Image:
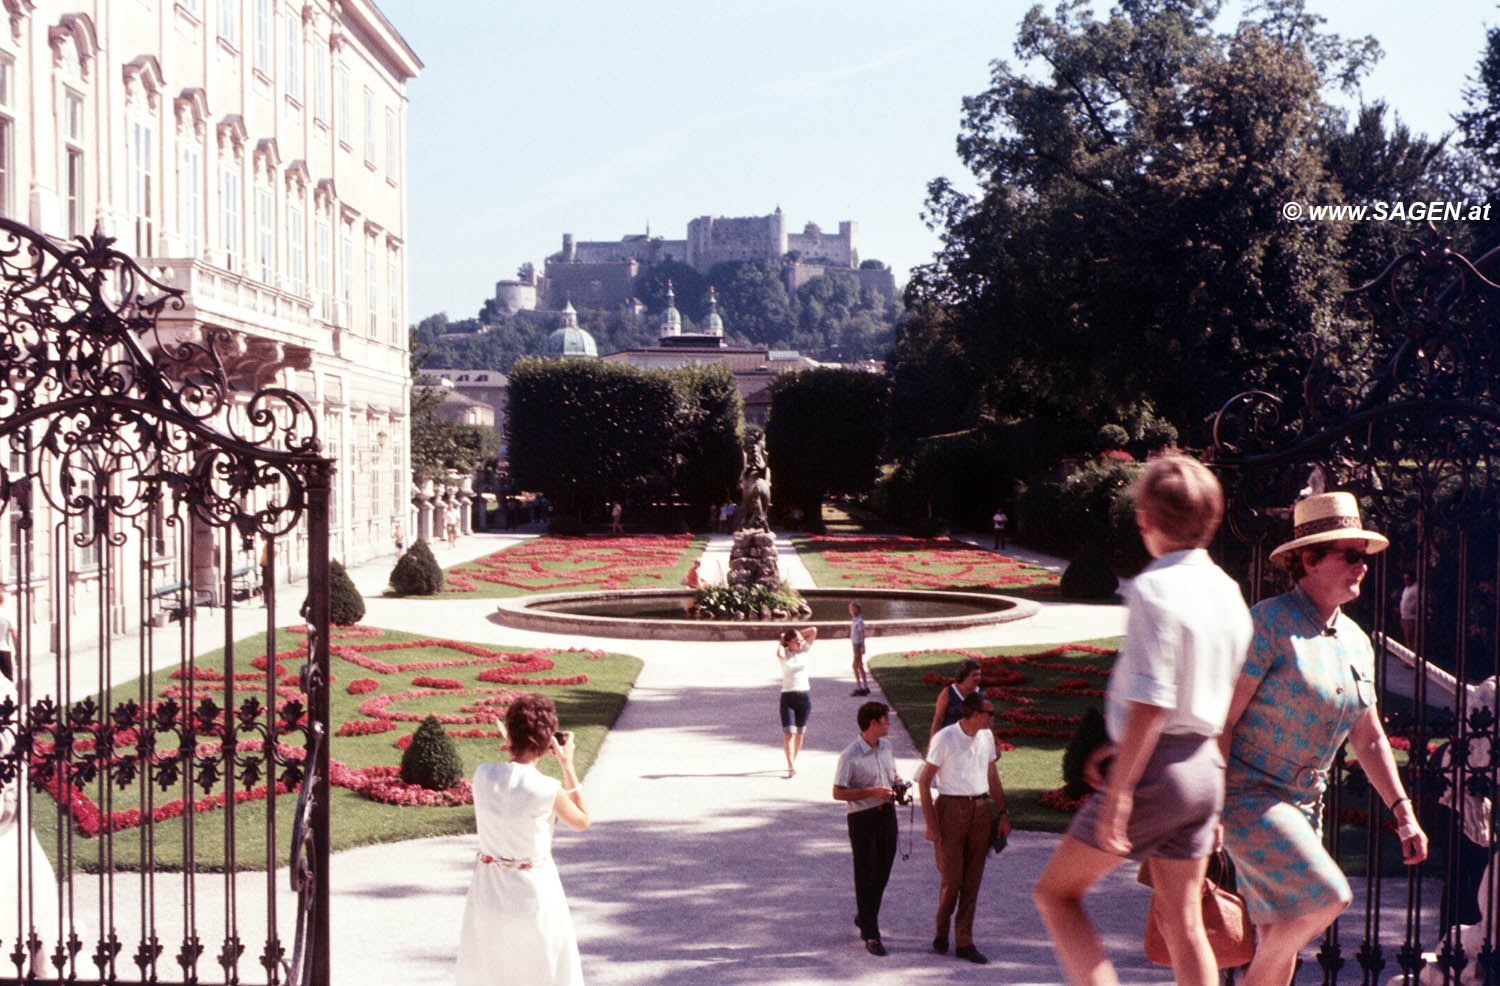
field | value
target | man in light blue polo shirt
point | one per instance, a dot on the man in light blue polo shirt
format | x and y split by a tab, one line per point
865	778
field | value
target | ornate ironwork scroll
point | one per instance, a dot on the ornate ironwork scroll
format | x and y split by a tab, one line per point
1404	411
122	431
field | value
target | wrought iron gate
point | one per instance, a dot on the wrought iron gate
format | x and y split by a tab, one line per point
1407	416
157	768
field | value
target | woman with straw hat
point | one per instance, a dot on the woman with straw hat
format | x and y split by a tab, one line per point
1308	683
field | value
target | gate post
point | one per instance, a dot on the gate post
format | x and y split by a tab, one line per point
319	482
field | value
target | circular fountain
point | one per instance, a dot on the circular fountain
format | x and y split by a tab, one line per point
661	613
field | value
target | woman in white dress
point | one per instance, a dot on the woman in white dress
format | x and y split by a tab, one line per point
516	926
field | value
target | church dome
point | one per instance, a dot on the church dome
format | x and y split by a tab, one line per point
671	319
715	321
569	339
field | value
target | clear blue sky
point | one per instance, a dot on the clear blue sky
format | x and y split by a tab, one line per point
593	118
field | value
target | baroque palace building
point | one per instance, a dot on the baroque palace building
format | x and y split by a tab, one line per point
249	152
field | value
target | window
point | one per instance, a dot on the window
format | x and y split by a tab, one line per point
325	271
346	273
190	201
294	55
297	249
73	161
7	162
320	81
263	36
265	234
331	423
20	558
372	293
229	17
229	214
392	147
191	6
142	180
393	296
342	82
398	501
369	127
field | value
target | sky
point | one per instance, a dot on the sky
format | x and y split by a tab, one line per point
604	119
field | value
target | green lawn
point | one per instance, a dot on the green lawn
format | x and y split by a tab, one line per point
1031	712
588	708
920	563
577	564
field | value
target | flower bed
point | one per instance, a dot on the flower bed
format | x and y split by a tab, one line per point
917	563
559	564
493	678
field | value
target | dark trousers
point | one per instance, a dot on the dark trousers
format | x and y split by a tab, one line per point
963	843
872	836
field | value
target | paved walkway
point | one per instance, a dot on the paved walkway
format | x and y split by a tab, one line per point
704	863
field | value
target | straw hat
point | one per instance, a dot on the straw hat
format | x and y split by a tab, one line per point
1328	517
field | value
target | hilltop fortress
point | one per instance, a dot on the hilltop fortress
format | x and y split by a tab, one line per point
602	273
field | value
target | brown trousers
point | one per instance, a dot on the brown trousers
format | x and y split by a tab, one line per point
963	843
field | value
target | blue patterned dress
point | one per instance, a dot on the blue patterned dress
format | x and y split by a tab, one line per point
1314	687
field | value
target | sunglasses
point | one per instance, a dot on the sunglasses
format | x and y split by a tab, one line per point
1350	556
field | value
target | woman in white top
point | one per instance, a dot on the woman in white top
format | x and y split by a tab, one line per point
796	694
516	925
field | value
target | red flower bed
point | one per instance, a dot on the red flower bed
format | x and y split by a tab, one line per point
1004	679
932	563
382	783
552	563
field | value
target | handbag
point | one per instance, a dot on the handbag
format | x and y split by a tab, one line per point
1225	918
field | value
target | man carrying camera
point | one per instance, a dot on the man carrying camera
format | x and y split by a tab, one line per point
961	758
866	779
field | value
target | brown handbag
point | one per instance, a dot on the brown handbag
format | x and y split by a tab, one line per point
1225	918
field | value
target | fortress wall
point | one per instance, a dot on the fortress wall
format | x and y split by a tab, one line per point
515	296
716	239
590	285
830	249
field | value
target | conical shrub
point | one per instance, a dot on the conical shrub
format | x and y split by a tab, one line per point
431	760
346	606
417	572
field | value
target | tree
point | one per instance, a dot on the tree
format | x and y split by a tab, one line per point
753	300
688	286
583	431
824	435
438	445
1126	242
707	447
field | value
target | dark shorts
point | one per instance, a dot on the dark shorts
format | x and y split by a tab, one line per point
795	708
1176	806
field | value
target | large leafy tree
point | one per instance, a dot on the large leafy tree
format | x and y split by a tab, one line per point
753	300
585	432
824	435
1127	241
706	440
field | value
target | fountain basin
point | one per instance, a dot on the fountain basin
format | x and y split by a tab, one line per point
657	614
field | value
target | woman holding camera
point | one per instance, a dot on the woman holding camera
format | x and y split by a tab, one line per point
516	925
796	691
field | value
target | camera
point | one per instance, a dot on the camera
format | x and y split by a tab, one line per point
902	791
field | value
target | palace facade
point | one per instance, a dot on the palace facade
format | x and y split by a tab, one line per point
251	153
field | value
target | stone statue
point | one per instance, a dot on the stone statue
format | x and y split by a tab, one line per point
755	489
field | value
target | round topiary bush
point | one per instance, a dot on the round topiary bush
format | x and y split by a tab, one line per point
1089	576
417	572
346	606
431	760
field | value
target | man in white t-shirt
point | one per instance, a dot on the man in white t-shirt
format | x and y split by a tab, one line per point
961	759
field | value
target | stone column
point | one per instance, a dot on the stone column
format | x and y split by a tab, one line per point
422	497
465	494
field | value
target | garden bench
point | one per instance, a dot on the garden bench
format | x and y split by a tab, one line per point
173	600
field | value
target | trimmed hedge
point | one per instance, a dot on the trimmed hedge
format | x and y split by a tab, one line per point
417	572
432	761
